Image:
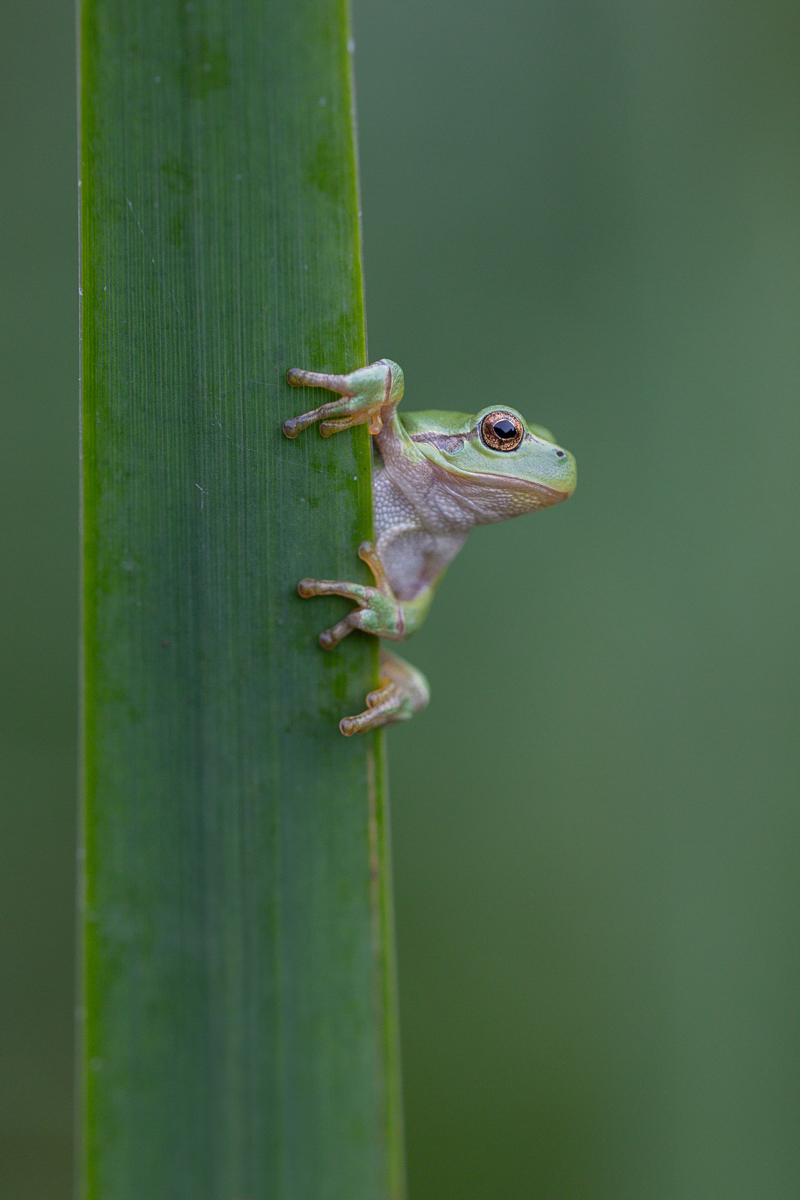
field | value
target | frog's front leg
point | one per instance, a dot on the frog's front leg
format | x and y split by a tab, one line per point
369	396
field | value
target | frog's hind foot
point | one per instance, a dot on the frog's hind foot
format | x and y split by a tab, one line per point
403	692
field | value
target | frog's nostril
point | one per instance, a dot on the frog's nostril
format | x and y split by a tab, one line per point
560	454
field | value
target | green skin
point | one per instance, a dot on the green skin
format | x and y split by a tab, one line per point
439	474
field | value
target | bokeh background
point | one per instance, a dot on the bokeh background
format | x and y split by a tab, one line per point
588	210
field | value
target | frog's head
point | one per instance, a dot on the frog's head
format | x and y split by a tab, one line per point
498	463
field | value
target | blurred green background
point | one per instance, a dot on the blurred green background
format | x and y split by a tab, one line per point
590	210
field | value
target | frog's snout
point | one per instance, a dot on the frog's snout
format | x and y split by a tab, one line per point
566	471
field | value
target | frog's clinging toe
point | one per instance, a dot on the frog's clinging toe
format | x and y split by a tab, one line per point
403	691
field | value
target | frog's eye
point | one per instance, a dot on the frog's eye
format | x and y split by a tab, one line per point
501	430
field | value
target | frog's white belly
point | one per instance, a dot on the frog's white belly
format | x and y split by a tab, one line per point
415	542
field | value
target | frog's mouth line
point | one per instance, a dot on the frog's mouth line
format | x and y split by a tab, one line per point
478	483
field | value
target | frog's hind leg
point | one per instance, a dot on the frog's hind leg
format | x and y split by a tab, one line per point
403	691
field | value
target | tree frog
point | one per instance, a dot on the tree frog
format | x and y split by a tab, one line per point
438	475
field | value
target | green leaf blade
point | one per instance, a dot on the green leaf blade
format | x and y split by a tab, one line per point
238	982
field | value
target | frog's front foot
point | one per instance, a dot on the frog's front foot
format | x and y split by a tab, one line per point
364	393
378	610
403	691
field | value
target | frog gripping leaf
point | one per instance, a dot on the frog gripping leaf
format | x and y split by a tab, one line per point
439	474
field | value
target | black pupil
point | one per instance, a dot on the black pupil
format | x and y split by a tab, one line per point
505	428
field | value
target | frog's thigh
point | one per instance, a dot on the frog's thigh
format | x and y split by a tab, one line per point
406	678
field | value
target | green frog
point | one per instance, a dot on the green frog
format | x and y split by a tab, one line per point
438	475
